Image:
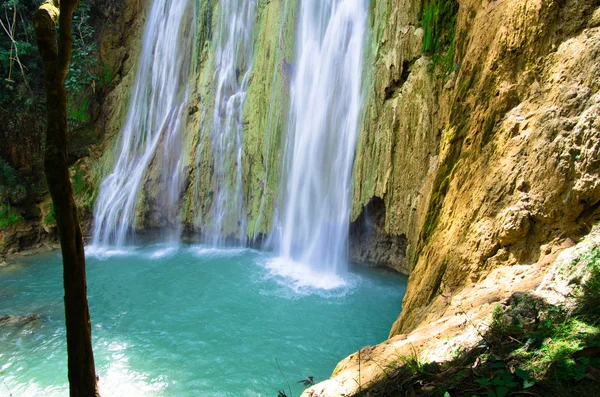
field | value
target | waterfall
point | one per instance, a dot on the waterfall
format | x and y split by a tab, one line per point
152	134
233	64
325	102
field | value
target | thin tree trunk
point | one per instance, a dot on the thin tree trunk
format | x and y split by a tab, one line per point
56	60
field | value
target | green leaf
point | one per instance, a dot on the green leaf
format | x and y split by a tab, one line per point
528	383
498	382
446	394
521	374
502	391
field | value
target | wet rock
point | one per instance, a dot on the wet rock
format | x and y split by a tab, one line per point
18	320
370	244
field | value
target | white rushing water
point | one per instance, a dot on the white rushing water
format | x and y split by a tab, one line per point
322	134
152	133
233	65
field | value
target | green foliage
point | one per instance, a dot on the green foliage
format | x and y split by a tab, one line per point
83	59
81	76
21	68
78	111
12	188
8	175
504	380
414	364
589	298
79	186
438	20
50	218
8	215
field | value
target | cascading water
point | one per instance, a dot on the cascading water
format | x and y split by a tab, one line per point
322	133
233	64
153	122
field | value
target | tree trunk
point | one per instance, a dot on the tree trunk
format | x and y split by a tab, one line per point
56	60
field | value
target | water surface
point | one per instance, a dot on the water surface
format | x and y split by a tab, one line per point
189	321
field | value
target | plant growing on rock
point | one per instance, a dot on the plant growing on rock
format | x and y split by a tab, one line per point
531	347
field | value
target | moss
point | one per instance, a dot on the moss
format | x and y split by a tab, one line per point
463	87
198	159
78	186
107	75
452	142
451	150
265	112
438	280
438	20
8	215
78	110
85	187
50	219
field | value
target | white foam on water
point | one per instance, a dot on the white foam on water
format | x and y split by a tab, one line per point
303	279
103	253
120	380
116	380
163	252
11	387
212	252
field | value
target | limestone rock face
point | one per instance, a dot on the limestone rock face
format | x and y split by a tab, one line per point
397	153
372	245
265	117
266	113
514	225
522	139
